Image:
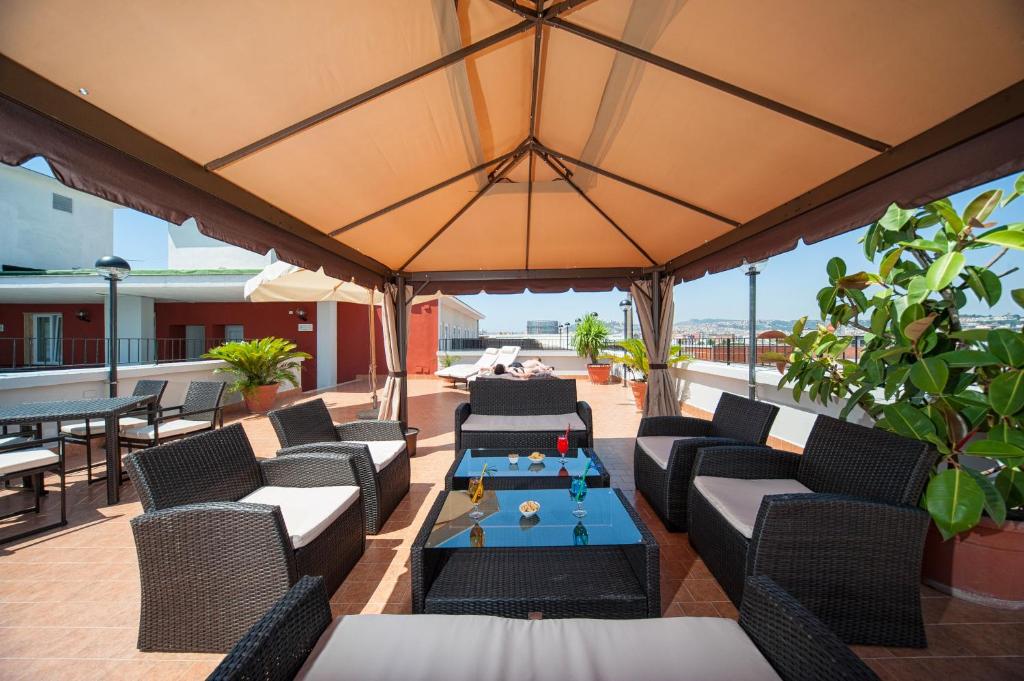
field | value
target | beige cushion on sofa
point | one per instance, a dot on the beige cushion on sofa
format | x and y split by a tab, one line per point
167	429
26	459
658	447
739	500
307	511
98	426
521	424
382	452
474	647
12	439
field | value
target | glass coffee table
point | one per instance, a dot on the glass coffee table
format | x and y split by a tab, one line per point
525	474
603	565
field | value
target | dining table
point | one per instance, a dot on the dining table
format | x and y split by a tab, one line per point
110	409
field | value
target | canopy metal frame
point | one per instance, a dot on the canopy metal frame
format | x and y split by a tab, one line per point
995	117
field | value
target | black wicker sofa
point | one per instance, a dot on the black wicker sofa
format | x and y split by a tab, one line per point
522	414
775	638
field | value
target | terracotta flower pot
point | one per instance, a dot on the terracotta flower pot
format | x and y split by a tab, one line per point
599	373
981	566
639	393
261	400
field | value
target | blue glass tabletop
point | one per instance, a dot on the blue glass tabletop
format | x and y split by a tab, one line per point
499	465
606	523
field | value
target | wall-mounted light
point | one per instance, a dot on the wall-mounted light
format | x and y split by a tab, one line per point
301	314
83	315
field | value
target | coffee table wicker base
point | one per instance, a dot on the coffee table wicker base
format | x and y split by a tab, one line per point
600	583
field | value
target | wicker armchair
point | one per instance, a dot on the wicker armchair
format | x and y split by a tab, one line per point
838	527
200	412
522	414
84	432
223	537
666	447
796	644
377	449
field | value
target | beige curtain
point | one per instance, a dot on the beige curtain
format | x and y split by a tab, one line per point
661	392
390	404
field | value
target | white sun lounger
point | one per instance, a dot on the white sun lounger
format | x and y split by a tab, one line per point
506	355
462	372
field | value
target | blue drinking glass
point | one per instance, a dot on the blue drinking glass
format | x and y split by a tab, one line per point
578	492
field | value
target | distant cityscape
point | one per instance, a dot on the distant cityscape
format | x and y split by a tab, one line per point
709	328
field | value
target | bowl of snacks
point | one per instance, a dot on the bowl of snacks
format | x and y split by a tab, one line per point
529	508
536	457
513	458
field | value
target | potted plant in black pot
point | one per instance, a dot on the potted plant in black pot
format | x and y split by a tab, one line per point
922	374
589	340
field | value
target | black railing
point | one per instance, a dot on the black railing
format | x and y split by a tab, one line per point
724	349
40	354
733	349
525	343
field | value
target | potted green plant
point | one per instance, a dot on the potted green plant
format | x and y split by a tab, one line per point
260	366
634	358
923	375
589	340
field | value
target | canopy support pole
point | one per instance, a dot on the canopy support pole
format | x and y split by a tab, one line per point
402	322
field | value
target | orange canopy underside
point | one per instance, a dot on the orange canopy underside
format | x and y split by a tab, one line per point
209	78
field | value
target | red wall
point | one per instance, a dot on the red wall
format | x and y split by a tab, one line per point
77	352
422	356
354	342
258	319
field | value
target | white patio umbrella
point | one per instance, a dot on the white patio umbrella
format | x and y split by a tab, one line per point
282	282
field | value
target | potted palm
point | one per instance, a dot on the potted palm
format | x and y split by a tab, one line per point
260	366
634	358
589	340
924	375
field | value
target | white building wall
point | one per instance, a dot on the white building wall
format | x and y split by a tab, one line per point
188	249
455	322
34	234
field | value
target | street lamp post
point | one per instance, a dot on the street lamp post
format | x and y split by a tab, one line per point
113	269
627	308
753	269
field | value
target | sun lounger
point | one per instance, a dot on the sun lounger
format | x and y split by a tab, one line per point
462	372
506	355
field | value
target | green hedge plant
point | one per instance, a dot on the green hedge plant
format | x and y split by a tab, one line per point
921	374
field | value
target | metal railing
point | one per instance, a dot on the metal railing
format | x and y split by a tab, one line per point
733	349
43	353
525	343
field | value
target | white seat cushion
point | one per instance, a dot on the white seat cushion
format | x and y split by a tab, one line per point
658	447
25	459
307	511
167	429
739	500
12	439
459	371
519	424
382	452
98	426
474	647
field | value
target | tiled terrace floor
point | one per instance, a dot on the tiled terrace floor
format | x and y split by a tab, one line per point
69	600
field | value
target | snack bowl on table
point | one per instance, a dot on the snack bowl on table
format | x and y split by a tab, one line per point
529	508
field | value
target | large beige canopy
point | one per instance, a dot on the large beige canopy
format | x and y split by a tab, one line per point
476	141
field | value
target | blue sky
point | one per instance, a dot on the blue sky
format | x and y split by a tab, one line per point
786	287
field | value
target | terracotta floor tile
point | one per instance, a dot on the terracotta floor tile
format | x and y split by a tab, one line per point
80	585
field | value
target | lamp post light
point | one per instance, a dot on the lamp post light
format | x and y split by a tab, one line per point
113	269
753	269
627	308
